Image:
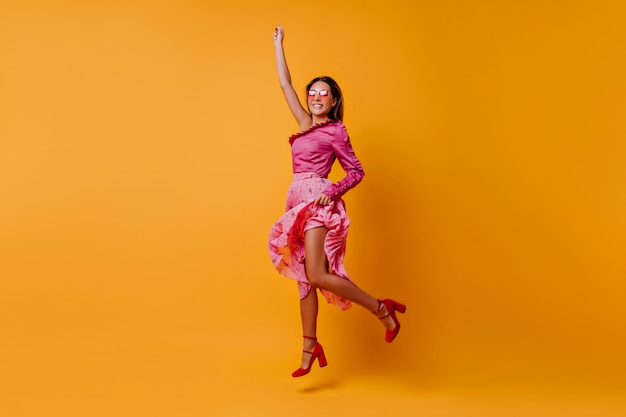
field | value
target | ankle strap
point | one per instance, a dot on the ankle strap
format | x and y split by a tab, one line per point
309	337
381	308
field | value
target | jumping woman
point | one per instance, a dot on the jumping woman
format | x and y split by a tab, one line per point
308	242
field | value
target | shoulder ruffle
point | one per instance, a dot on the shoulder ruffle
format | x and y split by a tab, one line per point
310	129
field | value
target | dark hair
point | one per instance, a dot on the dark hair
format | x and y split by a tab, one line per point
337	111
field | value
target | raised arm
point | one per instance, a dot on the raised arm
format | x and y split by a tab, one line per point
302	117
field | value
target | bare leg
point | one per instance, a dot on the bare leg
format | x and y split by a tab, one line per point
318	276
308	315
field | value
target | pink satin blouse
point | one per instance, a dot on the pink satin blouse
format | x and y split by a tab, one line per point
315	150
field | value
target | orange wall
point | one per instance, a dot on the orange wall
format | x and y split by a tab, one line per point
144	156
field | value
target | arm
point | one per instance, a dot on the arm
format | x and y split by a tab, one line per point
349	162
299	113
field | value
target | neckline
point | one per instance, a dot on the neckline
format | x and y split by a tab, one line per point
311	128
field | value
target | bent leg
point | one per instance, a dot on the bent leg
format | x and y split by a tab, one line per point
318	275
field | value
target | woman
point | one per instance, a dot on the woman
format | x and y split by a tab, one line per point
308	242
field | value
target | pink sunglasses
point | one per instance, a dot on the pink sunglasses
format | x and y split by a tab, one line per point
312	93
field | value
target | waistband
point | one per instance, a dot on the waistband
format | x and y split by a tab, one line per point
298	176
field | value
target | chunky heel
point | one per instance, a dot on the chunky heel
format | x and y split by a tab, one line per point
322	359
398	307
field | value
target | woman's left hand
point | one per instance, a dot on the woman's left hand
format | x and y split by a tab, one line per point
322	200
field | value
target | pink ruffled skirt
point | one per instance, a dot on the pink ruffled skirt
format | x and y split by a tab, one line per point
286	239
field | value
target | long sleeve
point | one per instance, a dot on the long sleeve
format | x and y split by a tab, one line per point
349	162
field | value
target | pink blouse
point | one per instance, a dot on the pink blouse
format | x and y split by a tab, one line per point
316	149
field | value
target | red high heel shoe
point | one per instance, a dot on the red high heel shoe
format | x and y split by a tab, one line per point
392	307
317	353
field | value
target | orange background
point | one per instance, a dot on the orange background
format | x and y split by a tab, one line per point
144	156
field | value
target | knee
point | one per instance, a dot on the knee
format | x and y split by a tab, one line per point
315	277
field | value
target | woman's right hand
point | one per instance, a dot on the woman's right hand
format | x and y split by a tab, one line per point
279	34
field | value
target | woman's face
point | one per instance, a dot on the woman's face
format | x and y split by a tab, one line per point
320	99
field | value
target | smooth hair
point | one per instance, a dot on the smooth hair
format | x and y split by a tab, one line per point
337	111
